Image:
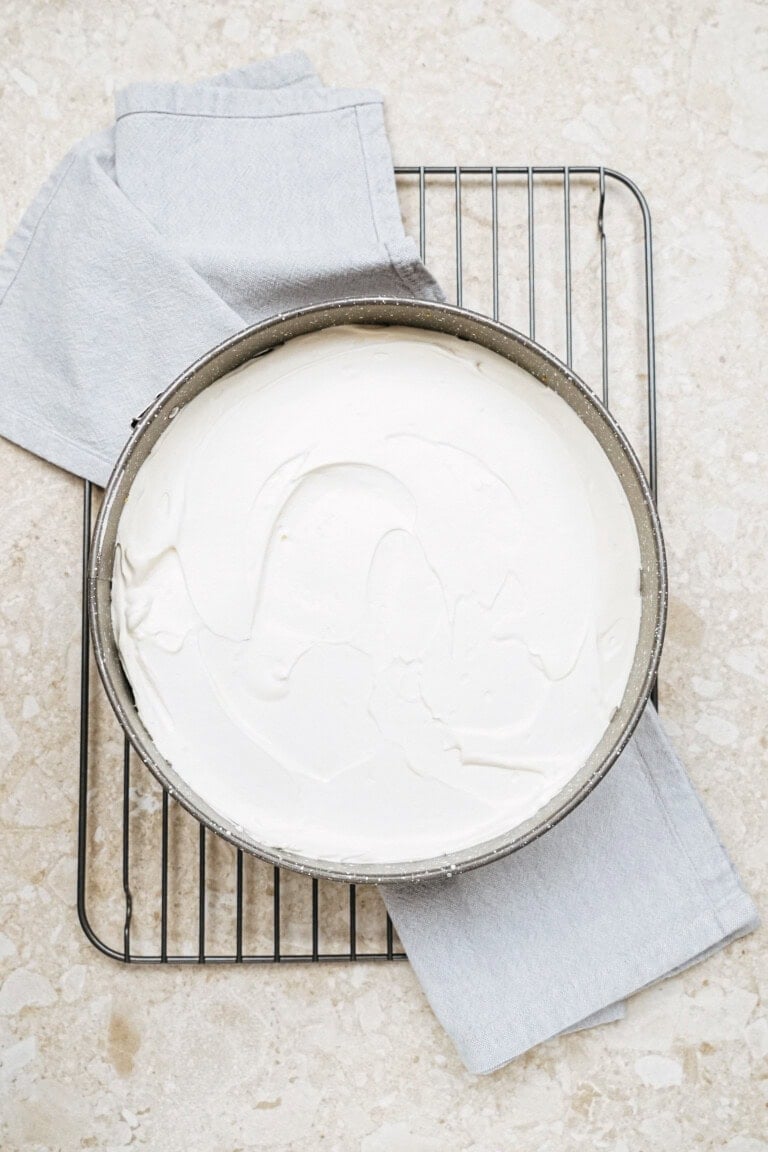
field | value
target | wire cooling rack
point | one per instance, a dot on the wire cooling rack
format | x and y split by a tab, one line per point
529	246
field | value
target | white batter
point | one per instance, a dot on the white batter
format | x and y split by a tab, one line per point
377	594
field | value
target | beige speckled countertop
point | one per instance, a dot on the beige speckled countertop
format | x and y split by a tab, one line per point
95	1055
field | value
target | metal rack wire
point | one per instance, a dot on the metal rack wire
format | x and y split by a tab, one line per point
260	916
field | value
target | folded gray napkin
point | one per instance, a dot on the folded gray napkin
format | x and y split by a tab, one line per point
206	207
631	886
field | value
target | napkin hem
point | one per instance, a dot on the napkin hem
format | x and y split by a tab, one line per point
236	103
36	438
400	250
688	821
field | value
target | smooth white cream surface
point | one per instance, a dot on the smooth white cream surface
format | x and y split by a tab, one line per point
377	594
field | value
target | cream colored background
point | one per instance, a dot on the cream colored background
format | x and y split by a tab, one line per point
97	1056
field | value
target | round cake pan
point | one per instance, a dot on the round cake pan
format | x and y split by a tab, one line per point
255	341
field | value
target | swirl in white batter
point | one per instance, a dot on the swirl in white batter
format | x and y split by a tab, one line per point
377	594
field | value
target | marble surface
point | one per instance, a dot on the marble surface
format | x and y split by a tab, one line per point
96	1055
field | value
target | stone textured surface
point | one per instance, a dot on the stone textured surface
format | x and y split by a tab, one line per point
94	1055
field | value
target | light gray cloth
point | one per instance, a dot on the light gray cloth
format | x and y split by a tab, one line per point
206	207
630	887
